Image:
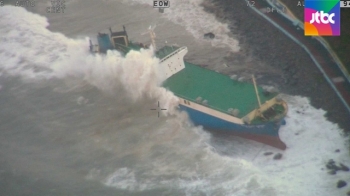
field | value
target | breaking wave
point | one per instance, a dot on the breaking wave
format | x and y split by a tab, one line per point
28	49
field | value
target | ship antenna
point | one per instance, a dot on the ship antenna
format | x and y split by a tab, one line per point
256	91
153	35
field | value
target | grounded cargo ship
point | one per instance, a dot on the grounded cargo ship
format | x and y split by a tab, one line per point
212	100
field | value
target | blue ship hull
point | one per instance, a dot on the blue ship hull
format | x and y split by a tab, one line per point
265	133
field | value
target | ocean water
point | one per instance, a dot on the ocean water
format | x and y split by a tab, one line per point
73	123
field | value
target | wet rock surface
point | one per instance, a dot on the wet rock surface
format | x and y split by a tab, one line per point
268	153
209	35
278	156
341	184
333	167
291	67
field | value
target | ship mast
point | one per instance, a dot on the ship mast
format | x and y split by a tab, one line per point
256	90
153	36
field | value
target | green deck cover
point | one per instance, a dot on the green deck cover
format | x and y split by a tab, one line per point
133	46
219	90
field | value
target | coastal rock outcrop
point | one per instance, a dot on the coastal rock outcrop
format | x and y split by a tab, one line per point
341	184
278	156
268	153
333	167
209	35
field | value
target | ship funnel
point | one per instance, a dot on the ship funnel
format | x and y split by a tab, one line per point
119	40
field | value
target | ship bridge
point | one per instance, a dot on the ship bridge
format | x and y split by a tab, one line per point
171	59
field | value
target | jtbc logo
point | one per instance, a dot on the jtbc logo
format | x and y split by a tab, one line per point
317	16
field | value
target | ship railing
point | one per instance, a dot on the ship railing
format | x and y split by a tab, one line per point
264	107
122	47
173	53
206	105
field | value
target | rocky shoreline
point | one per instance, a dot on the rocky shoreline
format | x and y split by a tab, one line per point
290	67
340	44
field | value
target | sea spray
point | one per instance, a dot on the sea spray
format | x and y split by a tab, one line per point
33	52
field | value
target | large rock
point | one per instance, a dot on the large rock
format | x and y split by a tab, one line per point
209	35
268	153
344	167
278	156
341	184
332	166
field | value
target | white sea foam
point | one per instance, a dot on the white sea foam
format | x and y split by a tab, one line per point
191	15
29	50
311	141
186	162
